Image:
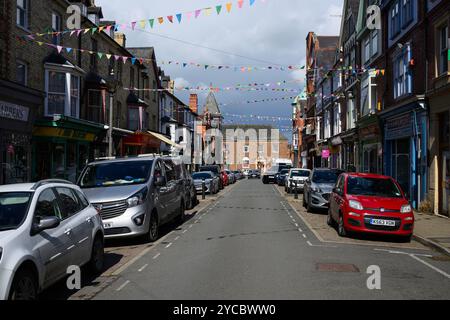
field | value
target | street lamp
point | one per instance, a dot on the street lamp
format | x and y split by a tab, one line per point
112	88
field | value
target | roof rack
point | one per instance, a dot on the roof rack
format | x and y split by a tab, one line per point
47	181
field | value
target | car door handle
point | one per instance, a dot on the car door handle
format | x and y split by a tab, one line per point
68	231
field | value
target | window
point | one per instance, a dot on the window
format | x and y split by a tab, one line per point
395	21
22	13
401	16
407	12
118	114
350	114
402	77
170	171
443	50
337	119
367	49
131	78
21	72
374	37
95	106
47	205
370	46
56	27
133	119
63	94
70	204
365	96
83	201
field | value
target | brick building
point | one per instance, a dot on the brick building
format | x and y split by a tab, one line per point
66	83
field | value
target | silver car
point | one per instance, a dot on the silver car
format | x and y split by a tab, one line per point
231	176
45	228
318	187
211	182
135	196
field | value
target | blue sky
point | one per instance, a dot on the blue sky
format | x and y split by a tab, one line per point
273	31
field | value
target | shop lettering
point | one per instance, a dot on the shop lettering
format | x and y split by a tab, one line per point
14	112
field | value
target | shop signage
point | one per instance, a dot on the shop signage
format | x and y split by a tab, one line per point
13	111
399	127
64	133
325	153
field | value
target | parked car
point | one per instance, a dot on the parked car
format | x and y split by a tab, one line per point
270	175
217	171
281	177
237	174
211	182
370	203
135	196
231	176
190	191
317	188
296	177
254	174
245	172
44	228
224	178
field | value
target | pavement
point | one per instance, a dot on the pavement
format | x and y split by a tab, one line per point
433	231
254	242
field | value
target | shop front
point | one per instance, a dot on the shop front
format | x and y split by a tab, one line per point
62	146
140	143
370	146
349	150
17	112
405	149
336	152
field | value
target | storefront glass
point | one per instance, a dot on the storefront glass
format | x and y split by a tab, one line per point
15	157
401	163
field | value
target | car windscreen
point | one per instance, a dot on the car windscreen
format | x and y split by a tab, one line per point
284	171
300	173
385	188
116	174
325	176
13	209
201	175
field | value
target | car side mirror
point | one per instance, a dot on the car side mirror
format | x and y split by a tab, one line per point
45	223
160	181
337	191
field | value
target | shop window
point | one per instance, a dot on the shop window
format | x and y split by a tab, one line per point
63	96
400	157
443	49
22	13
21	72
133	119
15	157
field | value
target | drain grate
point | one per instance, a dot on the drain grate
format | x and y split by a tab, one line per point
336	267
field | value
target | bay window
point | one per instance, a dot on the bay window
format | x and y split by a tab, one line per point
63	94
133	119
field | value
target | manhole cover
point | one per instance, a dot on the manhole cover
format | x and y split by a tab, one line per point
336	267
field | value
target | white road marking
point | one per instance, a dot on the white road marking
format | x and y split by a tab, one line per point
176	238
184	231
430	266
123	285
304	235
300	229
309	243
169	245
143	267
156	255
296	224
190	226
401	252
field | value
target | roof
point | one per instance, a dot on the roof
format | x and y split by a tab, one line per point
17	187
367	175
211	104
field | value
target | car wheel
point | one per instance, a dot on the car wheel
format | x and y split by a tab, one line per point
341	228
308	205
407	238
181	213
24	286
304	200
329	219
153	228
97	256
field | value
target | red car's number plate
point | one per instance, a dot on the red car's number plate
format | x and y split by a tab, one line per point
379	222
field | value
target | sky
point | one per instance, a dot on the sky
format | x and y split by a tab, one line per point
268	33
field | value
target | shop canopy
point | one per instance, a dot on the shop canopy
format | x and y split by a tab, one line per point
165	139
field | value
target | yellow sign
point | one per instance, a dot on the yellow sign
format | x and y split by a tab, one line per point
63	133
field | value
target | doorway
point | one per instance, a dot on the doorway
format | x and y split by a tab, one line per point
401	164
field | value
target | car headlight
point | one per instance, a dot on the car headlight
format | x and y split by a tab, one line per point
137	198
315	189
406	208
355	205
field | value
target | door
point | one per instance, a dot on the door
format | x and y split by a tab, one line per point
445	183
173	187
161	192
79	228
401	164
52	244
337	200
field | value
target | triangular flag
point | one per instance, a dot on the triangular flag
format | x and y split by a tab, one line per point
197	12
151	22
179	17
100	29
184	65
240	3
218	9
141	61
133	60
108	56
72	32
68	50
170	18
160	20
108	28
252	2
40	43
100	55
229	5
117	57
208	11
124	59
78	32
59	48
93	30
189	15
86	30
142	24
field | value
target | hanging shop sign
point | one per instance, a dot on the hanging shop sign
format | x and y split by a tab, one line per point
325	153
13	111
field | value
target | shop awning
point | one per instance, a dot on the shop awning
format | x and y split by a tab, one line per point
165	139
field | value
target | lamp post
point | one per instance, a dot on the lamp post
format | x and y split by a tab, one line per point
112	88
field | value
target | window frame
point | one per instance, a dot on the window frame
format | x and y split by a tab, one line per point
69	77
79	209
25	9
25	65
443	64
56	39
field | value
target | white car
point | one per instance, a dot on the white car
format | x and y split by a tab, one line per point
295	179
45	227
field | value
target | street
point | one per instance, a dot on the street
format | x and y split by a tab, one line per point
251	244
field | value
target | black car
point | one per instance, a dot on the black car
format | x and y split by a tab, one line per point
254	174
270	176
281	176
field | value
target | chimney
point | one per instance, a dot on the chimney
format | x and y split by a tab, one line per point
193	102
120	38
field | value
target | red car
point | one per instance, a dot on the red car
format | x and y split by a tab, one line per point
370	203
224	177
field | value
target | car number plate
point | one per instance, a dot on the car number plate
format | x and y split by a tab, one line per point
107	225
379	222
270	176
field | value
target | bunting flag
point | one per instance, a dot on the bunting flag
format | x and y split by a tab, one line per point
142	23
